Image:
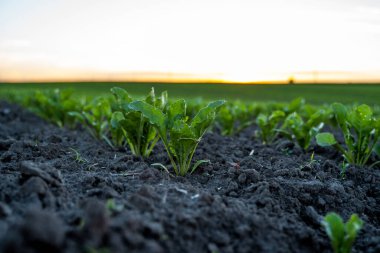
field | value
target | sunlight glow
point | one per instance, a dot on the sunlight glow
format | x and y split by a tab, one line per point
242	40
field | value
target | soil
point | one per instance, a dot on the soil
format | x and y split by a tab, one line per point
63	191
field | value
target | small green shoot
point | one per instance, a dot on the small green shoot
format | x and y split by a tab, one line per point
78	157
112	206
342	235
310	163
95	117
268	125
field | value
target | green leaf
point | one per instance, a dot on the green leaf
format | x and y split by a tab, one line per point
277	115
295	105
176	111
325	139
352	227
154	115
151	98
216	104
163	100
262	120
342	236
340	112
361	118
121	95
377	149
202	121
161	166
116	118
78	115
335	230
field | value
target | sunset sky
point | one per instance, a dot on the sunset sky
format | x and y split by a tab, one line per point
236	40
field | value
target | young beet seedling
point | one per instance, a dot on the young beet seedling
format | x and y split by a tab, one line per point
295	128
296	105
179	136
95	117
360	129
342	235
235	117
131	126
268	125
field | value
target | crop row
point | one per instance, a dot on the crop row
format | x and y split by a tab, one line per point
120	120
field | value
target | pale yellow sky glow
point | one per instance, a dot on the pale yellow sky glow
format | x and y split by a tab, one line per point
236	40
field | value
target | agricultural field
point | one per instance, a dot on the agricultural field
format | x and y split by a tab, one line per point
313	93
287	168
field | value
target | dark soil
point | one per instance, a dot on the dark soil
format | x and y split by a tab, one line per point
56	185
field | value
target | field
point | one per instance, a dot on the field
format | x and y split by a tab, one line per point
313	93
77	176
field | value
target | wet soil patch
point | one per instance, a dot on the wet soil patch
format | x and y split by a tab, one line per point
63	191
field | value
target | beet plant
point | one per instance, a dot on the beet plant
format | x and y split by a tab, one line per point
302	132
342	235
54	106
226	119
269	125
296	105
178	133
130	126
95	117
234	117
361	131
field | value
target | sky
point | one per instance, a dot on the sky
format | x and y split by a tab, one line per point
171	40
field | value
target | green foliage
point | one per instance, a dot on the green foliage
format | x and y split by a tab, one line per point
297	129
294	106
325	139
377	149
179	135
54	105
78	156
194	105
131	126
342	235
112	206
235	116
95	117
268	125
361	132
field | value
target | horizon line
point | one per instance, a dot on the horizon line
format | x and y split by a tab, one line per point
192	81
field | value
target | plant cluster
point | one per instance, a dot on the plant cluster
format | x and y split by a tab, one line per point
179	134
303	131
130	126
269	125
360	130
